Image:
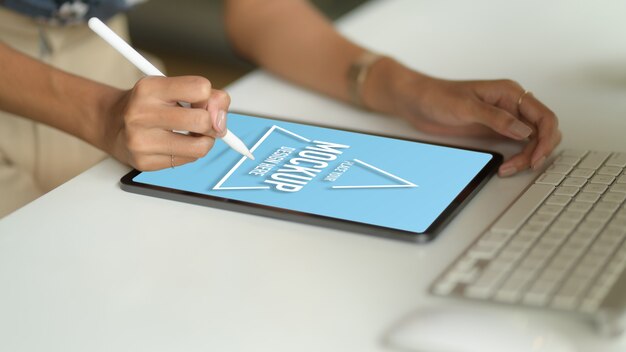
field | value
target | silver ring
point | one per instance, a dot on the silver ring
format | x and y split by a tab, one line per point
172	160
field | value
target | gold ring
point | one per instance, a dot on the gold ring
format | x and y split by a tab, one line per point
172	160
521	98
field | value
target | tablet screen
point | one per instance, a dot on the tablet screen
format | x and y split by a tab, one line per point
387	182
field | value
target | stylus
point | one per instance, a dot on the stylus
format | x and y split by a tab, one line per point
147	68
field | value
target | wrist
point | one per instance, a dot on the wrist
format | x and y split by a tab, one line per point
99	128
387	85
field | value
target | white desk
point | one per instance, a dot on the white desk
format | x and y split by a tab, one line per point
89	267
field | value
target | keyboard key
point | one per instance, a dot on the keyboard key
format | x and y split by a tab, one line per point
511	254
590	305
575	181
520	244
587	197
617	159
534	262
582	237
602	179
607	242
550	179
464	276
593	160
541	219
534	234
485	285
559	169
572	216
584	173
483	251
566	191
550	209
515	216
591	226
563	225
594	297
539	293
574	152
496	237
582	207
573	249
613	232
595	188
511	289
606	206
599	215
567	160
555	236
558	200
618	222
618	187
614	197
567	297
465	263
610	170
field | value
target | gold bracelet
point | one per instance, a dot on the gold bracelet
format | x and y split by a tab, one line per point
357	74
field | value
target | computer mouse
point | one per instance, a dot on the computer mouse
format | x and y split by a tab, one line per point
457	329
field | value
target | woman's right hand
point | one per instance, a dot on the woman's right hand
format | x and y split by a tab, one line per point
138	126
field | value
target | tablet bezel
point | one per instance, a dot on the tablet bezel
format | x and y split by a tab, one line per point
127	184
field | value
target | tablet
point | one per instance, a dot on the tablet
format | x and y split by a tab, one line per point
360	182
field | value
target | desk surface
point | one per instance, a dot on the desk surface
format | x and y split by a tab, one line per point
90	267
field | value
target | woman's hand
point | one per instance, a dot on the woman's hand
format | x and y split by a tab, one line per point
475	108
139	122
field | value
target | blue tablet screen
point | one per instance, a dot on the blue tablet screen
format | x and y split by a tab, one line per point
369	179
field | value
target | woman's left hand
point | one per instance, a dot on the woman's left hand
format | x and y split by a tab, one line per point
474	108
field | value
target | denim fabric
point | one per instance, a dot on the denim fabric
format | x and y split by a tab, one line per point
66	12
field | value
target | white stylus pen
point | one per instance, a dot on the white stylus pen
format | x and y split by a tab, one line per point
147	68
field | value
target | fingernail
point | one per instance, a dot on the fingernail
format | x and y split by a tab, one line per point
520	129
539	162
508	171
220	122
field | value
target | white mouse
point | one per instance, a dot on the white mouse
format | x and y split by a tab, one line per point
455	329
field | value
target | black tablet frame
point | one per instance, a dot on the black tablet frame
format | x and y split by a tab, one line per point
127	184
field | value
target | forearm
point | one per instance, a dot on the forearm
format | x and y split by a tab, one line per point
291	39
42	93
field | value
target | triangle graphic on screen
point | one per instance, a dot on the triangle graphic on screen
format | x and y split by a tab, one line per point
403	183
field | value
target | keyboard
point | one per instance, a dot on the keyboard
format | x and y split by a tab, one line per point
561	245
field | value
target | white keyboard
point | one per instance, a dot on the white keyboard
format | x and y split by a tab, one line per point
560	245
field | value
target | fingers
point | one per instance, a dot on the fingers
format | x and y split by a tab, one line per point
146	151
217	107
158	162
546	123
190	89
170	118
501	121
518	162
509	96
155	103
194	147
152	113
167	142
